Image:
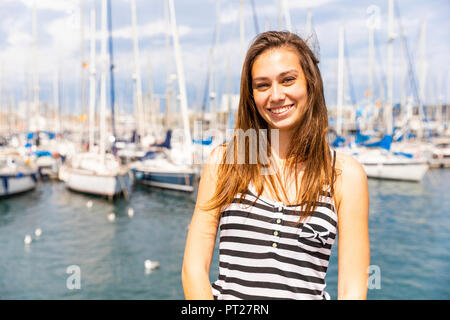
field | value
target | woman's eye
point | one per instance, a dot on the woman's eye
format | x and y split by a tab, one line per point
261	85
289	80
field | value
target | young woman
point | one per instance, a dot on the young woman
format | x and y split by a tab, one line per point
277	228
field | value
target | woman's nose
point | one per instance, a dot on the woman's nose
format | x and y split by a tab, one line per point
277	93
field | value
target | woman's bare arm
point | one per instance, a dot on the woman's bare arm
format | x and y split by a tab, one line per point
201	237
353	230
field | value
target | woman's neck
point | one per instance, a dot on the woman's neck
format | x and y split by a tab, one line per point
284	143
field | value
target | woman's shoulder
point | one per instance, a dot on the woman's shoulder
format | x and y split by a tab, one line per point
350	174
347	165
215	157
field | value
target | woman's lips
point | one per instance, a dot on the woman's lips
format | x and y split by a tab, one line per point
281	111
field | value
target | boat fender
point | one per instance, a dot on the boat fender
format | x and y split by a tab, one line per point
5	183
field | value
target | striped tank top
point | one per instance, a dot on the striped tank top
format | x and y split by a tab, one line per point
264	253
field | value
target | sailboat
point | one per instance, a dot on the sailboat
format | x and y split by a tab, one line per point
377	158
381	163
171	167
440	157
97	172
135	148
162	168
17	174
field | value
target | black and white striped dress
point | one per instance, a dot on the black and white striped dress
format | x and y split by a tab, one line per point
265	254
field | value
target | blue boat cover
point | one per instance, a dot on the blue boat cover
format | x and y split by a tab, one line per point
43	153
403	154
339	141
384	143
148	155
205	142
166	143
361	138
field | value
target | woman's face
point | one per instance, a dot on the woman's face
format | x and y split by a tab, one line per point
279	87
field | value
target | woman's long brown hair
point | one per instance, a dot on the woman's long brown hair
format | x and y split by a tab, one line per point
308	146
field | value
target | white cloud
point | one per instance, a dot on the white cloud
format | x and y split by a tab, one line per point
305	4
65	39
231	15
149	30
56	5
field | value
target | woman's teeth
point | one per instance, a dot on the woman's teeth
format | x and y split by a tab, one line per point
280	110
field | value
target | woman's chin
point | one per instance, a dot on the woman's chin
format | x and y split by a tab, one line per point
282	125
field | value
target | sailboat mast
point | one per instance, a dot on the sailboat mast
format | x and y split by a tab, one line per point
137	73
308	24
212	74
255	17
111	69
35	111
92	86
104	57
372	23
27	90
56	101
280	14
83	66
228	90
371	65
447	96
181	80
151	112
422	70
242	29
287	15
168	95
390	70
1	100
404	74
340	86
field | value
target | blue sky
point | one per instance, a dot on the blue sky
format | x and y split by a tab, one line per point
59	43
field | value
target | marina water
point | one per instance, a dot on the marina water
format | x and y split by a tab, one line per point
409	237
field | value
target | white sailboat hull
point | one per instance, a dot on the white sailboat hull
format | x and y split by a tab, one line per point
440	158
439	162
15	185
164	174
382	164
397	171
88	182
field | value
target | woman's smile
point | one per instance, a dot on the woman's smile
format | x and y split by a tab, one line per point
281	111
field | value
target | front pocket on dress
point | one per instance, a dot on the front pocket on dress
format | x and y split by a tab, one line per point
314	236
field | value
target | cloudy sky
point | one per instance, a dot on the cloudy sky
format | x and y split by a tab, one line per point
59	44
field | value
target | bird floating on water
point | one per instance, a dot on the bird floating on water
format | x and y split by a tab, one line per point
111	217
38	232
89	204
151	265
130	212
27	239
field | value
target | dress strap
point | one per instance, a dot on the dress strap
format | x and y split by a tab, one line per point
334	159
333	166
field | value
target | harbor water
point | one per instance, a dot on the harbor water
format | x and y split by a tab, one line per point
409	237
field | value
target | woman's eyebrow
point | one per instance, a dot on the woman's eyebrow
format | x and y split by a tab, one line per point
260	78
284	73
287	72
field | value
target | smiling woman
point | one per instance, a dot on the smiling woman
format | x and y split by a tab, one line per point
279	88
277	230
